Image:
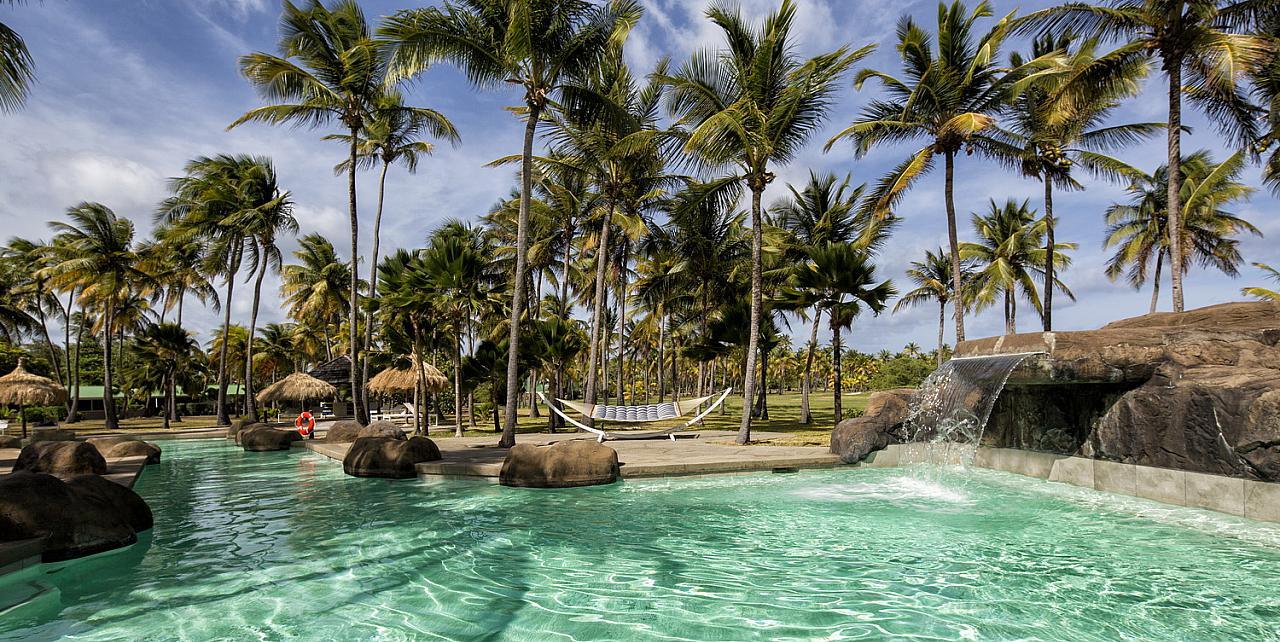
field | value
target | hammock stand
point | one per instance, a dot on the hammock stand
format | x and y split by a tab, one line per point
638	414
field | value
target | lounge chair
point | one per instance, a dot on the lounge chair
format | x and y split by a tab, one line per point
638	414
405	415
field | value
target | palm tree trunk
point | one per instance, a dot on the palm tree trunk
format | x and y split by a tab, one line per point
1174	69
518	280
757	302
954	240
806	383
457	385
353	337
836	349
74	414
1155	283
169	376
108	401
662	346
182	294
597	312
373	280
1049	248
251	404
1010	325
224	418
66	347
942	327
622	325
762	400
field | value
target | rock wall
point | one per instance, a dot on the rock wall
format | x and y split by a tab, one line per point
1196	391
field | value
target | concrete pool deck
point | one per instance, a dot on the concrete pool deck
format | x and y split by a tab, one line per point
703	452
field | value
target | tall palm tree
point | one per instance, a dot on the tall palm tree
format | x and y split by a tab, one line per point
540	45
390	136
331	69
32	293
1009	255
1206	49
749	105
276	349
933	281
17	70
313	288
1261	292
840	280
166	349
949	98
1139	229
94	254
176	260
1059	122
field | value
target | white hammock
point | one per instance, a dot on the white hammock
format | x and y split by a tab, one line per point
638	414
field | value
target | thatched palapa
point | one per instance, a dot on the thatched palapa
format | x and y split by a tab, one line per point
394	380
21	388
297	387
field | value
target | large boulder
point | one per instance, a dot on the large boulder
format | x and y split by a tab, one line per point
83	516
345	432
388	456
880	425
62	458
241	430
236	426
117	446
564	464
10	441
262	438
1196	391
52	434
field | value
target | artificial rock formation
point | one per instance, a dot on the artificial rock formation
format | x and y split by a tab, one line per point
1196	391
388	456
345	432
263	438
78	517
880	425
62	458
10	441
564	464
125	446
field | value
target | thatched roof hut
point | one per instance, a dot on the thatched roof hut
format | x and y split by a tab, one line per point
21	388
393	380
336	371
297	387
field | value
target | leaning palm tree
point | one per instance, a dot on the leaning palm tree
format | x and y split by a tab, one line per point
933	281
1009	257
1264	293
1059	122
94	253
313	288
949	98
748	105
1206	49
176	260
17	70
540	45
331	69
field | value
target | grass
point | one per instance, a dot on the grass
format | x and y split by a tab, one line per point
784	417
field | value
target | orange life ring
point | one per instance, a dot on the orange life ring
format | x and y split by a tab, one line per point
305	423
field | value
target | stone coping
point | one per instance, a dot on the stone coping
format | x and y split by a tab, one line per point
1231	495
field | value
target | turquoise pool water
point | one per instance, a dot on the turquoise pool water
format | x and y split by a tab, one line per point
279	546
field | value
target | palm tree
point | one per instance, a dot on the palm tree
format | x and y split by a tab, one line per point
176	260
14	319
1209	43
541	45
1059	122
950	99
1009	254
332	69
839	279
32	293
166	349
391	136
1264	293
749	105
1139	229
276	350
94	255
313	288
932	277
17	70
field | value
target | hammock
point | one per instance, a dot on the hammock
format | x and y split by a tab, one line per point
638	414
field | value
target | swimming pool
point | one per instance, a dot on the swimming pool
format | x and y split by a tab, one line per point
281	545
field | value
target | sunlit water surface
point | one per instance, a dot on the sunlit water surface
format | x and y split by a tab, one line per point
283	545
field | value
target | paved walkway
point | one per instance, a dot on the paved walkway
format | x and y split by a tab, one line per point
709	452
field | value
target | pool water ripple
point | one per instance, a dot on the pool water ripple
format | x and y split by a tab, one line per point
271	546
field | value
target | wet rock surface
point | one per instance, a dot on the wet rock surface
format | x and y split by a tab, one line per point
564	464
263	438
62	458
79	517
125	446
880	425
345	432
388	456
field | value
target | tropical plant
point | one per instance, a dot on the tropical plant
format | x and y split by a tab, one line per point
176	260
1009	256
165	350
28	299
748	105
540	45
1264	293
331	69
314	288
1206	48
15	321
933	281
949	98
17	70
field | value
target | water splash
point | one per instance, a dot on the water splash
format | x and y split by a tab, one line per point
950	410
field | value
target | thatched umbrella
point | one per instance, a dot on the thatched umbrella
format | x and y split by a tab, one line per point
21	388
298	386
393	380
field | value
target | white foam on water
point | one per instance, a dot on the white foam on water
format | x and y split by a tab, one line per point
892	489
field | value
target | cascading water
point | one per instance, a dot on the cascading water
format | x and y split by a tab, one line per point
951	408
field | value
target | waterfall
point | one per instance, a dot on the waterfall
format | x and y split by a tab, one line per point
950	410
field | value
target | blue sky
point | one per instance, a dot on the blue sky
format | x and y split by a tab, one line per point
129	90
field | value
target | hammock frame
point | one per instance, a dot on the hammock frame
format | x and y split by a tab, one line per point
602	412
